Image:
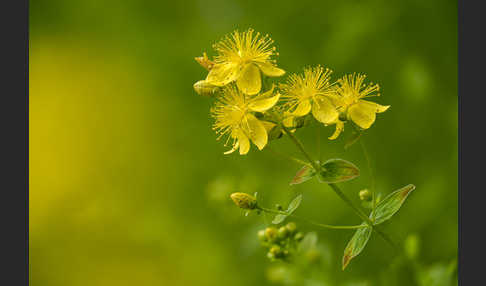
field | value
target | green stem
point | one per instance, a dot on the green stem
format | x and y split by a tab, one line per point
368	161
310	221
336	189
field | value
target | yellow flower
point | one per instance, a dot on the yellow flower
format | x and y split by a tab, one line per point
234	114
349	102
241	57
310	92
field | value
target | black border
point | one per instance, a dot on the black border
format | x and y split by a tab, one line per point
472	188
14	211
14	206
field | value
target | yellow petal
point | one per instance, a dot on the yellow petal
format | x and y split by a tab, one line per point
339	129
243	142
222	74
262	105
257	131
303	108
363	113
324	111
249	81
270	70
235	146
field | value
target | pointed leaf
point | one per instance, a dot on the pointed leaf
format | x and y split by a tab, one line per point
294	204
304	174
338	170
356	244
392	203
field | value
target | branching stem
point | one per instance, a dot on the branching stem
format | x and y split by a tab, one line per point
336	189
310	221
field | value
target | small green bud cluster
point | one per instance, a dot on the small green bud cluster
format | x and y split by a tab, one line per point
281	242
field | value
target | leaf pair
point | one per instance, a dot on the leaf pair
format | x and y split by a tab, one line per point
383	212
294	204
332	171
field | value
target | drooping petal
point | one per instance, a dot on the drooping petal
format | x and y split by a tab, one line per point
303	108
257	131
270	70
249	81
243	142
339	129
262	105
235	146
222	74
324	111
363	113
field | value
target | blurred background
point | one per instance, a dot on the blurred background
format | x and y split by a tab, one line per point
128	184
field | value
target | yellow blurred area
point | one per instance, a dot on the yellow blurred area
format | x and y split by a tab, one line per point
93	218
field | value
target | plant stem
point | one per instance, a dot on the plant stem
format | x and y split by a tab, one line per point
372	175
310	221
336	189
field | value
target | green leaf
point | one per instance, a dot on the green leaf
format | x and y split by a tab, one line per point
391	204
356	244
304	174
294	204
338	170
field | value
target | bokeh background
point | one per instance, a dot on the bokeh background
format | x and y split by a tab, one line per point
128	185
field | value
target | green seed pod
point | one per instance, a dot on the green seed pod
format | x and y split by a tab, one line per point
365	195
244	201
283	232
299	236
205	89
291	227
271	233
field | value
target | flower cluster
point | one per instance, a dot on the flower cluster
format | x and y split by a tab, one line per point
282	242
248	108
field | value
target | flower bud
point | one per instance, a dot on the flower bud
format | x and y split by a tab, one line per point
283	232
276	251
271	233
291	227
205	89
299	236
365	195
244	201
261	235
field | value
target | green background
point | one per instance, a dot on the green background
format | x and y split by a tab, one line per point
128	185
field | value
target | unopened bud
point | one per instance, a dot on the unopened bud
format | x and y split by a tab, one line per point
365	195
276	251
261	235
271	233
244	201
283	232
299	236
205	89
291	227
